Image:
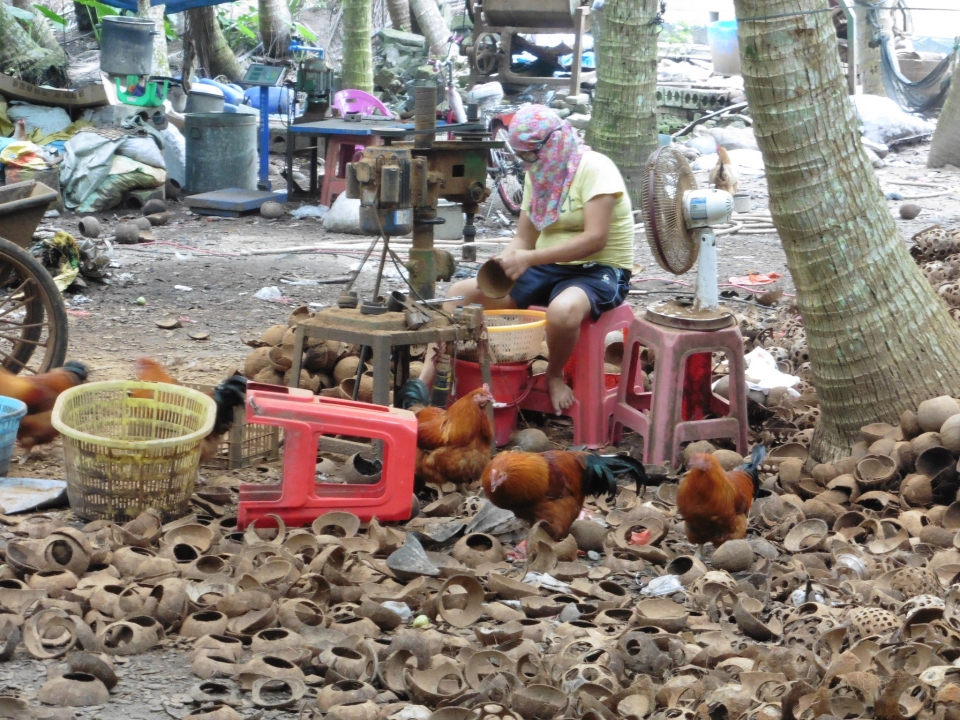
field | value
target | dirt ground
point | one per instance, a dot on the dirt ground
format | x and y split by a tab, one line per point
108	329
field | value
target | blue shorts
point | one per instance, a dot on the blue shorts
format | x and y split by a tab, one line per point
606	286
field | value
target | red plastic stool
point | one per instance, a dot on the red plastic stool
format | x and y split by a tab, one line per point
339	153
658	415
594	403
299	499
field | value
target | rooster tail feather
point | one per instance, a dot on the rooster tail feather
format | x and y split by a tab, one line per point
228	395
600	473
752	468
414	392
77	368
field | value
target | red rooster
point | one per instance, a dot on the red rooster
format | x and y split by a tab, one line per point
453	445
714	504
40	392
552	486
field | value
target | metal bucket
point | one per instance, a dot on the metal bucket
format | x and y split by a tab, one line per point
126	45
221	151
204	102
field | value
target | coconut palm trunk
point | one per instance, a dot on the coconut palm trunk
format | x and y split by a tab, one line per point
275	24
161	61
205	45
399	14
945	146
624	121
357	51
24	58
880	340
433	26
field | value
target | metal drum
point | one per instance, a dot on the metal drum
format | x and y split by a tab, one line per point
126	45
553	14
221	151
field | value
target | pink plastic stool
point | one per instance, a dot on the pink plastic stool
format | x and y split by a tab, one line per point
352	101
299	499
594	403
657	415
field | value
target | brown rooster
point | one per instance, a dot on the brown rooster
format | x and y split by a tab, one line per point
713	503
453	445
552	486
228	395
40	392
724	174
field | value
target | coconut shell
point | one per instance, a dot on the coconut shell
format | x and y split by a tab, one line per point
532	440
322	357
273	335
950	434
416	368
307	381
932	414
824	473
701	446
728	459
917	490
733	556
872	433
925	441
346	368
882	446
909	424
937	536
846	466
269	376
256	361
791	470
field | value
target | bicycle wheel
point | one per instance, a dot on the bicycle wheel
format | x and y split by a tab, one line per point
509	173
33	319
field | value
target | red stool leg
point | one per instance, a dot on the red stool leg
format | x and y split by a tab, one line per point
330	162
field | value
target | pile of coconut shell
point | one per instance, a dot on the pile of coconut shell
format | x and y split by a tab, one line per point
328	367
937	252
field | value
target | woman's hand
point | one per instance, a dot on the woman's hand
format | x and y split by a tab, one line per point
515	261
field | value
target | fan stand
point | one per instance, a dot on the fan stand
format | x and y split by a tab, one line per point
704	312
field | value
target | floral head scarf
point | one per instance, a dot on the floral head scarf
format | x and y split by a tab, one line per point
557	161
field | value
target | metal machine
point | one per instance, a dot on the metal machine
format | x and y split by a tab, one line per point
399	184
316	80
497	22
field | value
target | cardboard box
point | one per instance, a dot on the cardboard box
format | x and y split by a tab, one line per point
85	97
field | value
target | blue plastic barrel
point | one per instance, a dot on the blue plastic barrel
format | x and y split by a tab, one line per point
11	410
724	47
230	95
280	99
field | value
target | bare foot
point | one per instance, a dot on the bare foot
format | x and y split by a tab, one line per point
560	394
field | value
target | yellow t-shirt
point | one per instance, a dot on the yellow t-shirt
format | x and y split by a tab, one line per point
596	175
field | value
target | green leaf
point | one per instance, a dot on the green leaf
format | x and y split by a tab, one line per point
244	30
168	29
51	15
305	32
19	14
101	8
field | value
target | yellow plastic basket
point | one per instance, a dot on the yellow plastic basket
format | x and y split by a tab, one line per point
515	335
126	452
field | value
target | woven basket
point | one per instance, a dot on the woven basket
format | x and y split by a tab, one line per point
514	336
130	446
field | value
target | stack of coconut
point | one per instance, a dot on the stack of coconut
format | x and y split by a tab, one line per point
937	251
328	367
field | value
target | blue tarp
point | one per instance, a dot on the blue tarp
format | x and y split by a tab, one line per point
172	6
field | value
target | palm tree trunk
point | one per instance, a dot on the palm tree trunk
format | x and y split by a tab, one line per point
945	146
880	340
433	26
357	51
624	121
161	61
275	24
24	58
399	14
206	44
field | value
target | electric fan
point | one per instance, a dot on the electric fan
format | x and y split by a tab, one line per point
678	217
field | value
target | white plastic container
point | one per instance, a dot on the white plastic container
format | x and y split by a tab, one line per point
487	96
452	229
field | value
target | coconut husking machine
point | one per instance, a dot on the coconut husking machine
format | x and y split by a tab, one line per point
399	185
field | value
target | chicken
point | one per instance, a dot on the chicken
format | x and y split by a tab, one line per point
40	392
453	445
551	486
228	395
713	503
724	174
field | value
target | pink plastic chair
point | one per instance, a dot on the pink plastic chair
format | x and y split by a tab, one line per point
657	415
594	404
353	101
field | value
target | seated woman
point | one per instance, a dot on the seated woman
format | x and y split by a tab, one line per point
573	250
